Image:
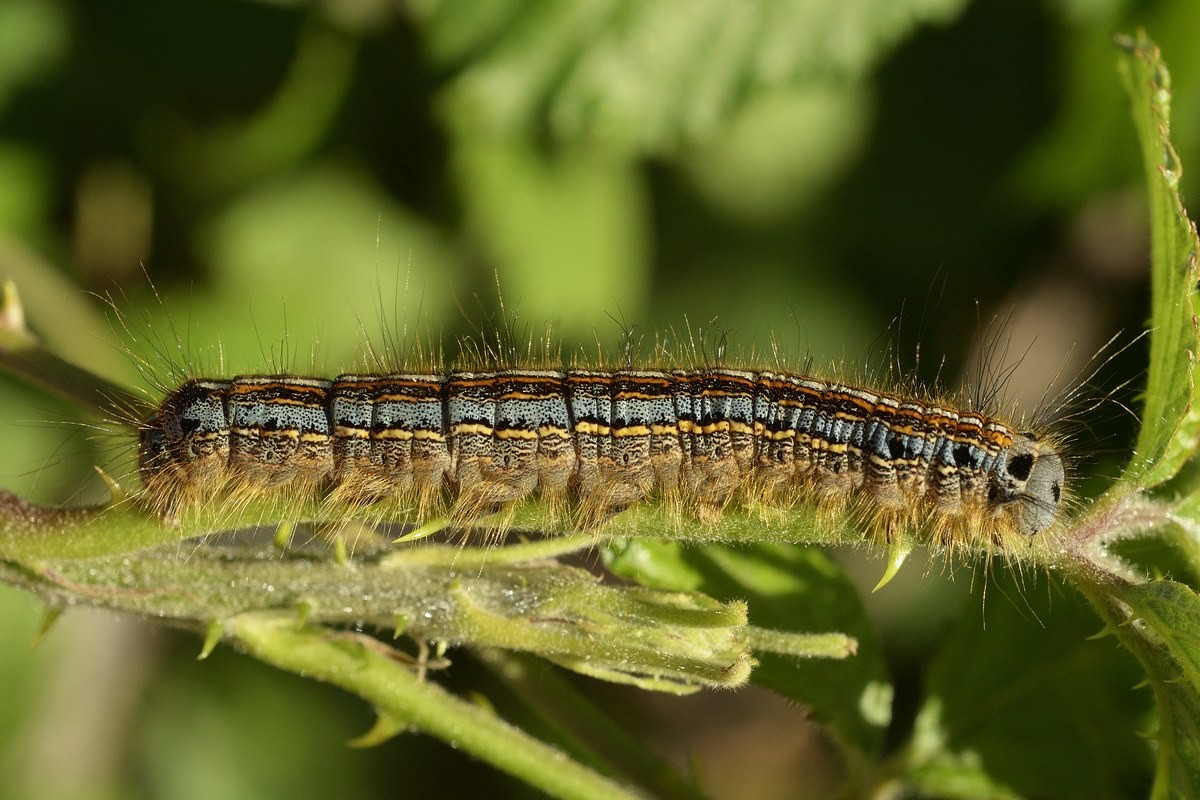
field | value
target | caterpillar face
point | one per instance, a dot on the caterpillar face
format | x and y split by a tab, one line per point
187	442
1028	484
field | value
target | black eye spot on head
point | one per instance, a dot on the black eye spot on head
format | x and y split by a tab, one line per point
1031	482
1019	466
188	425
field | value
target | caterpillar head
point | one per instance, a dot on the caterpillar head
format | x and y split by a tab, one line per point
187	441
1027	483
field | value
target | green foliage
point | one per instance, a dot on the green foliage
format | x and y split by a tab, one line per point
984	718
854	698
769	126
1169	426
627	73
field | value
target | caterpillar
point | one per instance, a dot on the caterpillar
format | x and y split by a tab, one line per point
596	442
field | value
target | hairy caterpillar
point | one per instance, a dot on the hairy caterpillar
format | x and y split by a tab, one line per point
596	442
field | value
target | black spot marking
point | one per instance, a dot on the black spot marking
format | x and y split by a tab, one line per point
1020	466
962	455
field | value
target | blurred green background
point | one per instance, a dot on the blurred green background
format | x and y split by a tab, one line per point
833	178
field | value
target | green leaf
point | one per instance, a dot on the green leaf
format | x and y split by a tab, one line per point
300	224
33	40
1172	613
1170	433
575	722
794	589
646	77
936	768
1008	710
1179	743
1159	622
537	215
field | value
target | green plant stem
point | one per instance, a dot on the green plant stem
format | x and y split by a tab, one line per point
1171	661
400	695
648	637
802	645
22	353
